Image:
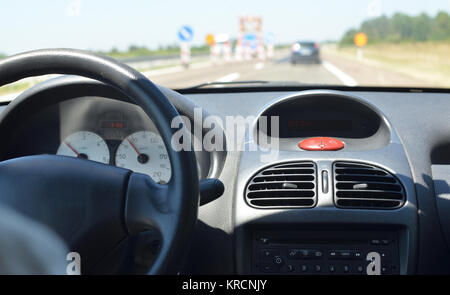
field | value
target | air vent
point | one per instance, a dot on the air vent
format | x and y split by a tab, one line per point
291	185
364	186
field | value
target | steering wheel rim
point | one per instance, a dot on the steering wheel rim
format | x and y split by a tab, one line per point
176	203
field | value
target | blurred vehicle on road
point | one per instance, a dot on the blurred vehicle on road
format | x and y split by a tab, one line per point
305	52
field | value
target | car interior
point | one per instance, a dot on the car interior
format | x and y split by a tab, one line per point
302	179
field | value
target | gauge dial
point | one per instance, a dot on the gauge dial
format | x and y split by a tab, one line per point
145	152
85	145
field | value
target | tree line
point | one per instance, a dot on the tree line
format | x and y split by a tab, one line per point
136	50
401	27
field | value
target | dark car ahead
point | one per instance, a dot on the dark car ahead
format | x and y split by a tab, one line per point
305	51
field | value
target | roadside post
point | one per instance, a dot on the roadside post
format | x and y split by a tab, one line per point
269	39
223	46
360	40
185	34
212	48
227	51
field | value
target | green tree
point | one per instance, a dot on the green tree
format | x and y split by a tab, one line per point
441	28
402	27
347	39
421	27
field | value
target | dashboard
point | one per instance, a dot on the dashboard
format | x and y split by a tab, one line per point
300	212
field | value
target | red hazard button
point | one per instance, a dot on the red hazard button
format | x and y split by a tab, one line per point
321	144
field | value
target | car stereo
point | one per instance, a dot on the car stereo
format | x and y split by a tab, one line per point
325	252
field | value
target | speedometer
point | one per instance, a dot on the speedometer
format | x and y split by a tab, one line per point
85	145
145	152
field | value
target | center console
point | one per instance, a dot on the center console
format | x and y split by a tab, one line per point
346	211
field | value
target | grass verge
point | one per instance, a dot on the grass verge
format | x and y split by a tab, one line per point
428	61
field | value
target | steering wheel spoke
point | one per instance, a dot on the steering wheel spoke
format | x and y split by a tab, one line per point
147	205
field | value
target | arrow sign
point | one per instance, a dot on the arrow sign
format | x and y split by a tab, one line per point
185	33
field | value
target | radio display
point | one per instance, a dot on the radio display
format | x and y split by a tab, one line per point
319	125
322	116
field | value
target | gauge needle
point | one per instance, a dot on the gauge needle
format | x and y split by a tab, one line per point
81	156
134	147
72	149
142	158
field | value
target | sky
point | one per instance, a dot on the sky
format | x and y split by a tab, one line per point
104	24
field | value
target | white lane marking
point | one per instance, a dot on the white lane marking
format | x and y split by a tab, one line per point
346	79
175	69
164	71
200	65
229	78
259	66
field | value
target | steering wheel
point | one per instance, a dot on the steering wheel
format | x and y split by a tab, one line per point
93	206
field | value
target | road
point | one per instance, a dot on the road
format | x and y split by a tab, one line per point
333	70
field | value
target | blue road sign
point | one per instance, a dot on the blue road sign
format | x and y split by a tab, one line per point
185	33
250	40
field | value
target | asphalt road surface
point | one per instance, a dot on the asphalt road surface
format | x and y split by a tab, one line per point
332	70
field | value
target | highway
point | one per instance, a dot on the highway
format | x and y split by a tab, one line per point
333	70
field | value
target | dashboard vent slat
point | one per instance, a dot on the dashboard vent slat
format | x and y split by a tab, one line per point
363	186
290	185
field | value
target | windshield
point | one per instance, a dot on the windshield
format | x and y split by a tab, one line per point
181	44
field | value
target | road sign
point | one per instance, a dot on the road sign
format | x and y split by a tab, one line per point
360	39
250	40
210	39
185	33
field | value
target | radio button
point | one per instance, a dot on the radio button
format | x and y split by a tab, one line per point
333	254
356	255
318	254
360	269
290	268
268	253
345	254
269	268
278	260
302	254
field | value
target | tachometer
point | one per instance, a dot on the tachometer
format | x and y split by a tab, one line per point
85	145
145	152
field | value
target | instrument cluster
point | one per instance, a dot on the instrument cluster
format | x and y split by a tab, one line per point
114	133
